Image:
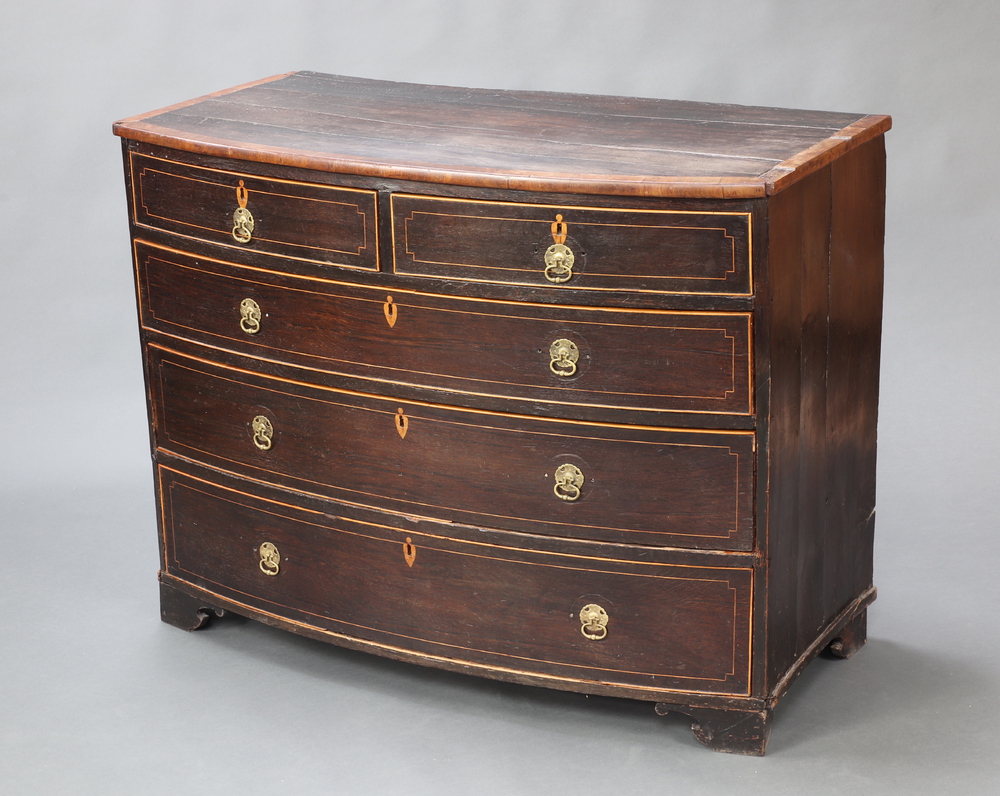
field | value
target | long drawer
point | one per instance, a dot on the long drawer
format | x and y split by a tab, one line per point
585	480
647	360
597	619
304	221
572	247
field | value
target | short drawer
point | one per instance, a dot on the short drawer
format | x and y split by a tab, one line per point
655	626
304	221
571	247
646	360
593	481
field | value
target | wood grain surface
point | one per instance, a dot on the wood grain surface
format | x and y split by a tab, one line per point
525	140
645	251
294	219
649	360
641	485
824	322
668	627
718	423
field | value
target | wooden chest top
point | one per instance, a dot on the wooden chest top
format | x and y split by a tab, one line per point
522	140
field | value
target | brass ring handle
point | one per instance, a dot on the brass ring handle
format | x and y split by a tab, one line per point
270	559
250	316
569	479
559	257
242	218
563	356
593	622
263	432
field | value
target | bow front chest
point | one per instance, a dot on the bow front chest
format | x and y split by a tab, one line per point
572	391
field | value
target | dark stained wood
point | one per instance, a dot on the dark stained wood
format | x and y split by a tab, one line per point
298	220
656	361
668	627
838	625
726	305
819	155
459	534
781	315
825	275
524	140
799	224
856	282
184	103
851	638
594	109
740	732
182	610
645	486
652	251
814	275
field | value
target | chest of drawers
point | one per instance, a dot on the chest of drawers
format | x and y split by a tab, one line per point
570	391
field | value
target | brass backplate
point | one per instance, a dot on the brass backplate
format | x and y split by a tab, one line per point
569	480
559	259
563	356
270	559
250	316
242	218
594	622
263	432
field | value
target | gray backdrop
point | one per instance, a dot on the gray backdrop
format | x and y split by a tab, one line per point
99	697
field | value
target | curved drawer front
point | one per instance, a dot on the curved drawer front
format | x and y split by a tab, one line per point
658	251
304	221
650	360
592	481
648	626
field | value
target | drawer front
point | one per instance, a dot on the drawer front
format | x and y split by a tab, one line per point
591	481
652	360
655	251
304	221
653	626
